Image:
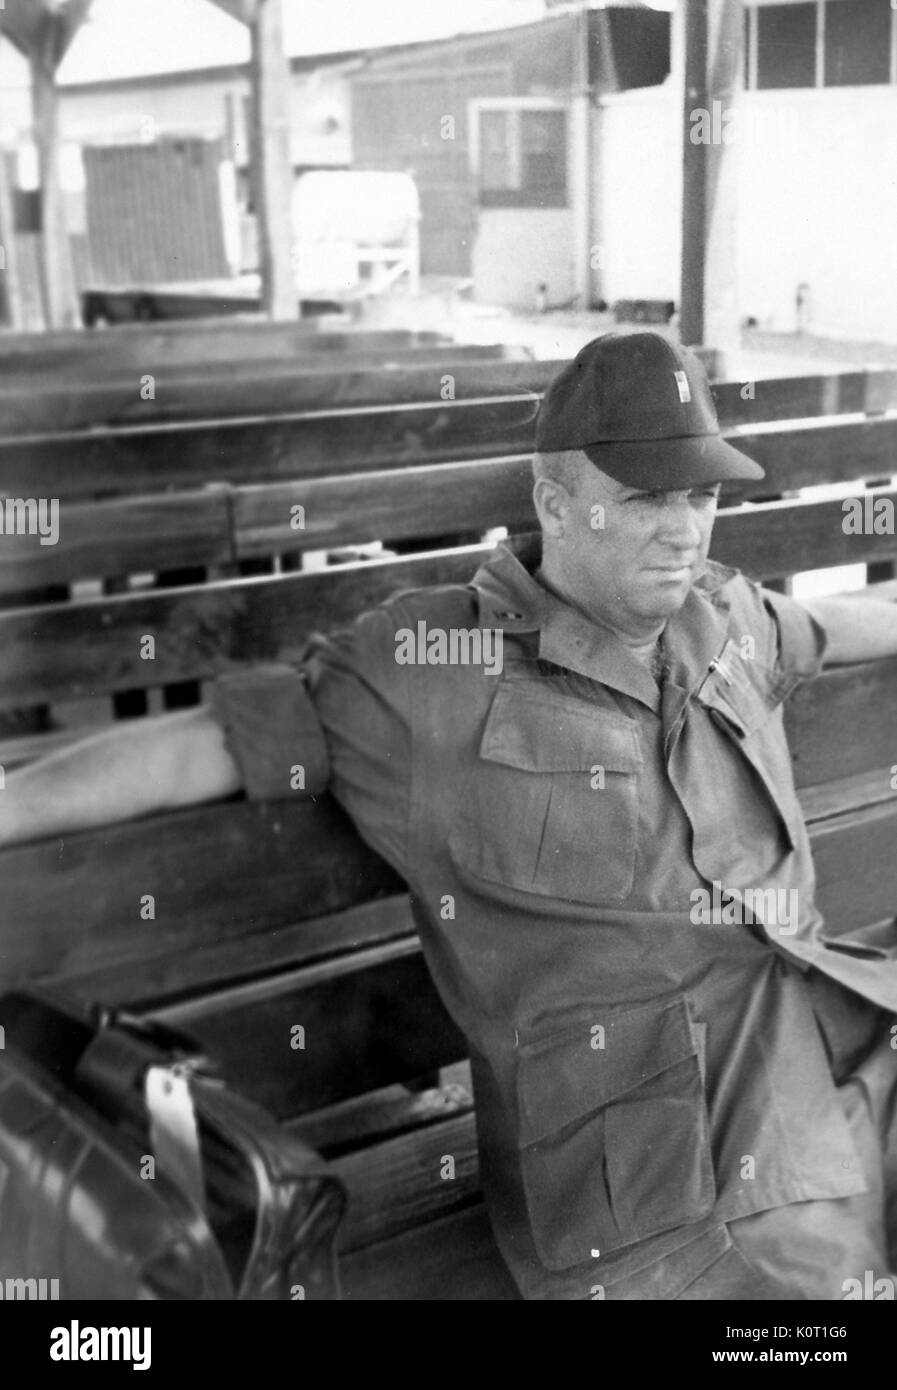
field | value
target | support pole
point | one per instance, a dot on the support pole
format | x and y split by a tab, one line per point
709	52
722	317
60	297
694	175
583	153
12	309
271	158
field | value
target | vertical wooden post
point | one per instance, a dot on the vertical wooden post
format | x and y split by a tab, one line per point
61	309
581	162
722	318
695	97
272	159
12	310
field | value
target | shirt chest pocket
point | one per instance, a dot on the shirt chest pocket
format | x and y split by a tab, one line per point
551	805
750	711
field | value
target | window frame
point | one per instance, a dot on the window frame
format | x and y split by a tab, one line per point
819	83
515	198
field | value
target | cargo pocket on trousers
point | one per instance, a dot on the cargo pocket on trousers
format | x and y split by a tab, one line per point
614	1140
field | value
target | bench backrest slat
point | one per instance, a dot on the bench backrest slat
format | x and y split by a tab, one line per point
31	403
112	462
66	650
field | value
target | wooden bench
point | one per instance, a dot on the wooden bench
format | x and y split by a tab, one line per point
251	938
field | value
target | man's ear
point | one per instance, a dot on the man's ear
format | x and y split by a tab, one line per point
553	504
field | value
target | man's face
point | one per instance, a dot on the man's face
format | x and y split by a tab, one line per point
629	556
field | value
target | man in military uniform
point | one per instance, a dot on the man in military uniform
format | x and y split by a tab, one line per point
683	1091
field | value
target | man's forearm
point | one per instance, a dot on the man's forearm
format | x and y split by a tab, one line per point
858	629
132	769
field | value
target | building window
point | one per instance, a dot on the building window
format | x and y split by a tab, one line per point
786	45
831	43
857	42
522	156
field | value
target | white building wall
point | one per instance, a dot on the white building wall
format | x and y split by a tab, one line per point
636	189
818	205
517	249
816	194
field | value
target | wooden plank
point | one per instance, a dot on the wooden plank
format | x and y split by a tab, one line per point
162	531
218	340
144	459
331	363
397	1185
763	540
121	537
384	1114
843	724
105	462
33	406
388	505
780	538
201	960
454	1259
851	793
827	451
29	404
71	905
856	867
251	333
57	650
392	1027
801	397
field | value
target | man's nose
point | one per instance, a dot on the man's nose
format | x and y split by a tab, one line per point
681	526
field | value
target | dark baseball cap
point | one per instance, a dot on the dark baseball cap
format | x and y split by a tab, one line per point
640	407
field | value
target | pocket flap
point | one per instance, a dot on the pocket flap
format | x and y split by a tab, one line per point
746	700
564	1077
540	734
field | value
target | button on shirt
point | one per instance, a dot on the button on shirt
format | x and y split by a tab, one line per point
613	886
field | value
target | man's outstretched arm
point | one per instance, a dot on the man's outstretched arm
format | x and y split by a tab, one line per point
857	628
132	769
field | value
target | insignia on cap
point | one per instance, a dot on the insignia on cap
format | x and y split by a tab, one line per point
682	384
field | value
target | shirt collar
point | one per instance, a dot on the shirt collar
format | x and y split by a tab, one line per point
512	599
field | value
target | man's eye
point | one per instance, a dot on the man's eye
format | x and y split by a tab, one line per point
704	494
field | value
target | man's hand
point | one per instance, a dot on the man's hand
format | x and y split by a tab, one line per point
858	628
131	769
